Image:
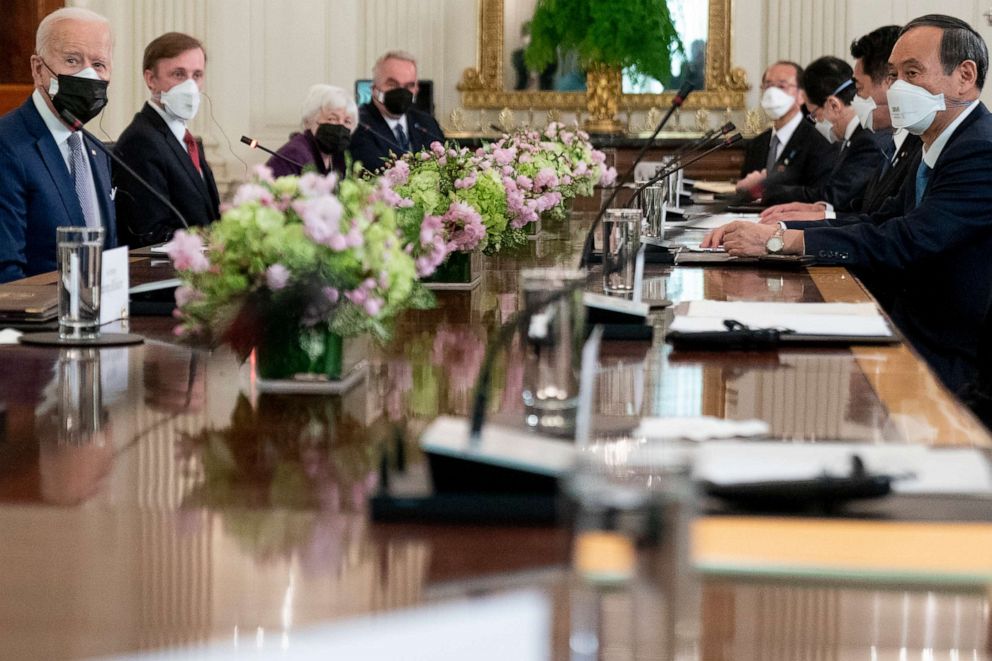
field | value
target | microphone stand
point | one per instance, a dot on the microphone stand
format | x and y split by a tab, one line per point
676	103
254	144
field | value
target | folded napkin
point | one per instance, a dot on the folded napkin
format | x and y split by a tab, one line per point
701	428
9	336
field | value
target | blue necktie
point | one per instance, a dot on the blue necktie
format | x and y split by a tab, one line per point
401	137
889	152
922	177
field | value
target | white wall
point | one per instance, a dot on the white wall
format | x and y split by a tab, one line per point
264	54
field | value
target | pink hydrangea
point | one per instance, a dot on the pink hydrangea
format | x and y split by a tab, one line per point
276	277
467	181
464	226
608	177
546	178
321	218
253	193
313	184
331	294
263	173
186	294
504	156
399	174
373	306
186	252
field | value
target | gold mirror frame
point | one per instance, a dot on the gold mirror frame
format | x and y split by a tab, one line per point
482	86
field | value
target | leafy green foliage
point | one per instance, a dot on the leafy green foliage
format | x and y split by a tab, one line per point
638	34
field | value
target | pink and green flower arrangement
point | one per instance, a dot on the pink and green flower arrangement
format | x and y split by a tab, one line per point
451	199
291	257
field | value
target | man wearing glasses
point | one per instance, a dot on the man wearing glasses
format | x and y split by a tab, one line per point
390	125
792	152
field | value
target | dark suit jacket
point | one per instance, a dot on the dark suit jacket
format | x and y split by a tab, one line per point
936	256
302	148
372	147
864	153
151	149
37	194
806	160
882	186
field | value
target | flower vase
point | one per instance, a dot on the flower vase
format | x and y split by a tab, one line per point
460	271
533	230
316	360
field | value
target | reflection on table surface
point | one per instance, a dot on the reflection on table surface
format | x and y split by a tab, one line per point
150	496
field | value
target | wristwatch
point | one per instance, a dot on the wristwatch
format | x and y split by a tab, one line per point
775	242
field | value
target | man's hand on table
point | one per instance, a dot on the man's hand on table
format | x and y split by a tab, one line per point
743	239
792	211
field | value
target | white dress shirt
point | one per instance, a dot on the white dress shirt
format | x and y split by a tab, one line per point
176	125
931	155
785	133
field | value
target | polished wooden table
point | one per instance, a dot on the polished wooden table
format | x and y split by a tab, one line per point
152	497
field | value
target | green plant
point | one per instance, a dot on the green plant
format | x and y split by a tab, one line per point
638	35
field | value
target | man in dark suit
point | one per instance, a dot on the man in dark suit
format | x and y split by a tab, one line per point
162	150
871	77
829	89
390	125
792	152
49	176
932	243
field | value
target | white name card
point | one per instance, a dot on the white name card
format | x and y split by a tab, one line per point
114	301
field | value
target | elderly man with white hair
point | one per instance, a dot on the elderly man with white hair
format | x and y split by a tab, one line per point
49	176
328	118
390	126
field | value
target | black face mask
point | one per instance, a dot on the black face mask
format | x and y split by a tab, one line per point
83	97
332	138
397	101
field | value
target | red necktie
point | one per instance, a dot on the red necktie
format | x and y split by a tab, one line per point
193	149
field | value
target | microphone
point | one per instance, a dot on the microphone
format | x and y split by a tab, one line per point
677	102
75	125
692	147
382	136
254	144
429	133
678	165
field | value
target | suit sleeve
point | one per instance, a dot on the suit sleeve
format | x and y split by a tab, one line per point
954	212
365	149
140	216
13	217
849	180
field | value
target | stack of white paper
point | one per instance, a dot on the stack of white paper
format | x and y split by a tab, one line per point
824	319
719	220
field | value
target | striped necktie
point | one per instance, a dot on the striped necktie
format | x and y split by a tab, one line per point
82	180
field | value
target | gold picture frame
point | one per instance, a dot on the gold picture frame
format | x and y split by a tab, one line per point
482	86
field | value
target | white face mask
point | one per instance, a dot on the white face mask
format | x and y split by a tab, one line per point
912	107
776	103
864	108
183	100
88	72
826	129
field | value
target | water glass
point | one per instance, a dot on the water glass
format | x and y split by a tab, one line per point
80	250
654	207
632	503
621	242
80	400
553	347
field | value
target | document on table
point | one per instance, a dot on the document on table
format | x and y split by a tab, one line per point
817	319
715	220
919	469
718	187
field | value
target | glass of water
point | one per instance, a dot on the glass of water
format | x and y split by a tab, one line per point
621	241
553	347
653	205
80	251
